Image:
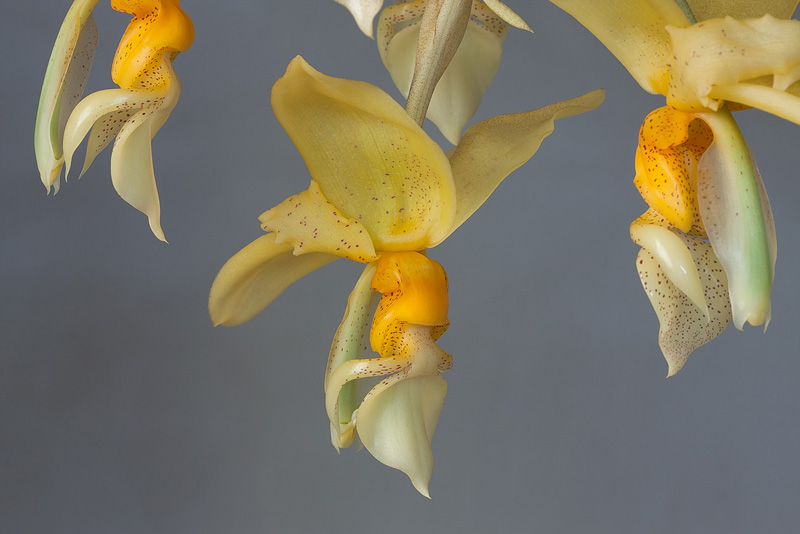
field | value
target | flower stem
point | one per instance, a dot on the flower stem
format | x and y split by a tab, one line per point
443	25
684	5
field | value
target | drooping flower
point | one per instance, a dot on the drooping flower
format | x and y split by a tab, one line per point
382	192
708	240
469	73
133	114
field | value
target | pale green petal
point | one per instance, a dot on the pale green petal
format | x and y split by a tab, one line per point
396	425
351	342
460	89
492	149
371	161
310	223
63	84
683	327
254	276
363	12
655	234
634	31
738	220
741	9
722	52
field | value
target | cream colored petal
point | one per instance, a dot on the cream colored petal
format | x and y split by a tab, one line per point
634	31
722	52
96	107
396	425
655	234
779	103
254	276
312	224
369	158
683	327
505	13
741	9
363	12
738	220
104	130
63	84
351	342
460	89
492	149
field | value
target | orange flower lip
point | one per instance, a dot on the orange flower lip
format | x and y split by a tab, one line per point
159	30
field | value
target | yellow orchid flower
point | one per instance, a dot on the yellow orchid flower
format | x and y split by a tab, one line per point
149	89
382	192
462	85
708	240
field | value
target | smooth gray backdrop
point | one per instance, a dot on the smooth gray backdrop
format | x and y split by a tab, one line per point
123	411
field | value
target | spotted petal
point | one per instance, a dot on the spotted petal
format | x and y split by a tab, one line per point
683	326
371	161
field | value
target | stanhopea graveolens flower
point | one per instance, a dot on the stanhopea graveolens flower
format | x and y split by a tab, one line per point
382	192
133	114
708	240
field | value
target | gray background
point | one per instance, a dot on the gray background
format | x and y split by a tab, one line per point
123	410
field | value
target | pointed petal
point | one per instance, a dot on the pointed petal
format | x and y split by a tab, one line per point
505	13
683	327
396	425
254	276
363	12
63	84
738	220
741	9
132	167
369	158
653	233
635	32
312	224
492	149
729	51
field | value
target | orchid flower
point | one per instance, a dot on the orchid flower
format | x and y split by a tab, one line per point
471	70
708	240
149	89
382	192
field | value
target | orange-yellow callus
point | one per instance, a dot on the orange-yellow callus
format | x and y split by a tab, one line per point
671	143
159	30
414	291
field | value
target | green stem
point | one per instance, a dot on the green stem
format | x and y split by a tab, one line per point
684	5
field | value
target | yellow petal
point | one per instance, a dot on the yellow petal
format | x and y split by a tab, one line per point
741	9
254	276
634	31
369	158
310	223
158	31
492	149
683	327
779	103
363	12
722	52
462	85
63	84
